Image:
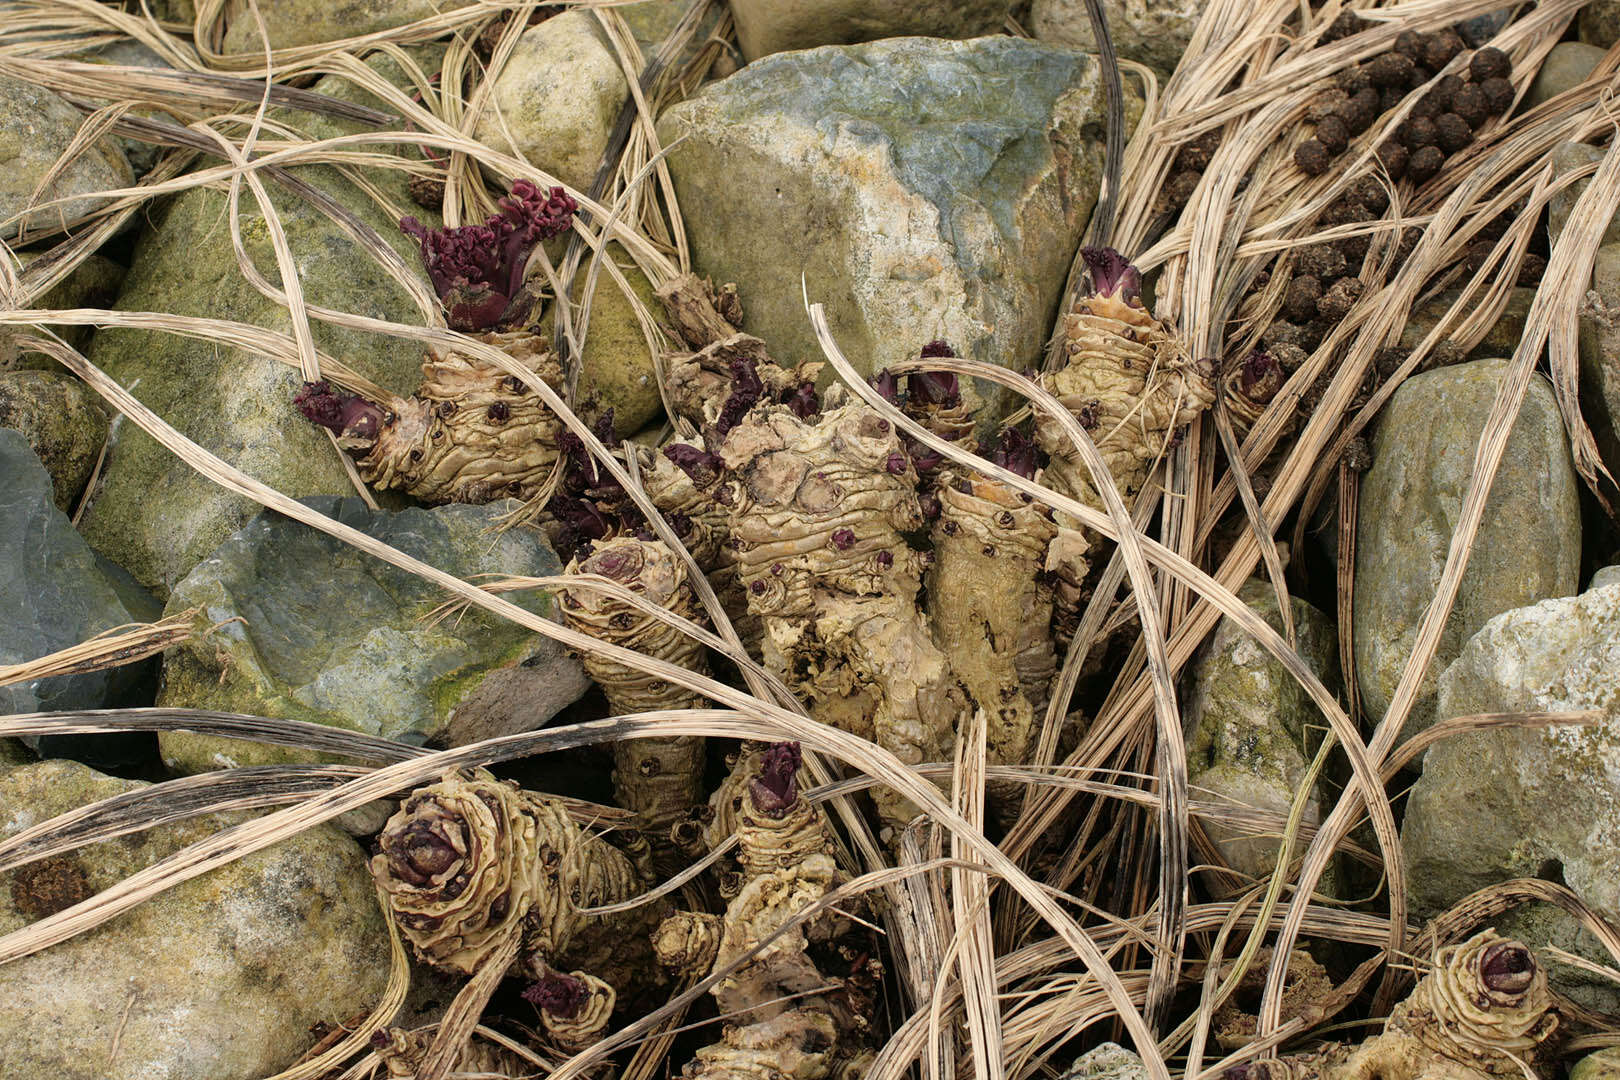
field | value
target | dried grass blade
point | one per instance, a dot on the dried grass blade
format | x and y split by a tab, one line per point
111	648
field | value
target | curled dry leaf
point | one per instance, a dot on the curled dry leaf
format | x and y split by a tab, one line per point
661	778
471	860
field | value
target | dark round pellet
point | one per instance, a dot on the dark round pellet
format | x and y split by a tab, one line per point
1336	302
1353	80
1180	188
1300	301
1370	193
1389	97
1325	104
1390	70
1361	111
1394	157
1441	48
1489	63
1498	95
1452	132
1410	43
1418	132
1424	163
1312	157
1354	249
1323	262
1470	104
1347	24
1444	90
1334	134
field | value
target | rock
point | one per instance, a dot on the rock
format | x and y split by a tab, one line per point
1566	158
62	420
218	978
313	22
1528	546
36	126
1600	23
924	188
1603	1065
1608	575
1110	1061
93	283
555	101
1251	729
127	52
152	513
617	371
1151	32
1568	65
772	26
52	595
1502	338
12	754
1600	354
333	636
1526	802
652	21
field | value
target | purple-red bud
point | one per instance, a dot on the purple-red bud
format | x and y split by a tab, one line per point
937	348
776	789
558	994
1015	453
1112	274
896	463
342	414
843	539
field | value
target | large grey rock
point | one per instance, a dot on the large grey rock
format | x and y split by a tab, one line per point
218	978
1600	354
1518	801
1110	1061
1151	32
555	101
152	513
1566	158
923	188
292	23
1528	546
333	636
771	26
1500	340
52	594
1569	64
36	127
1600	23
64	424
1251	729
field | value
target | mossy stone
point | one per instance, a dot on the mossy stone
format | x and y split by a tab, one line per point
1151	32
293	623
292	23
1599	23
774	26
1528	546
1569	64
94	283
36	126
217	978
1603	1065
63	421
1500	340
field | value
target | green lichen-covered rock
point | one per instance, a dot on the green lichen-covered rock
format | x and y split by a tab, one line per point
1500	340
63	422
52	594
218	978
93	284
36	126
555	101
152	513
1151	32
1528	547
333	636
617	369
12	754
1569	64
1251	729
1600	355
1600	23
1518	801
772	26
311	22
924	189
1603	1065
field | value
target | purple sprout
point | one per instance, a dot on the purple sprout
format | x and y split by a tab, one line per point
896	463
560	995
1015	453
939	388
746	390
776	788
341	414
477	270
804	402
700	466
938	348
1258	367
886	384
1112	274
1508	968
843	539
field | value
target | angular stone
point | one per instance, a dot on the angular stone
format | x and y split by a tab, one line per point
555	101
1528	546
63	422
1517	801
923	188
1569	64
1110	1061
772	26
52	595
218	978
1502	338
1251	729
12	754
1151	32
312	22
1600	23
36	126
1608	575
333	636
152	513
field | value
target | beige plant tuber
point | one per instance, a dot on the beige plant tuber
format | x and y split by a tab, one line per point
660	778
